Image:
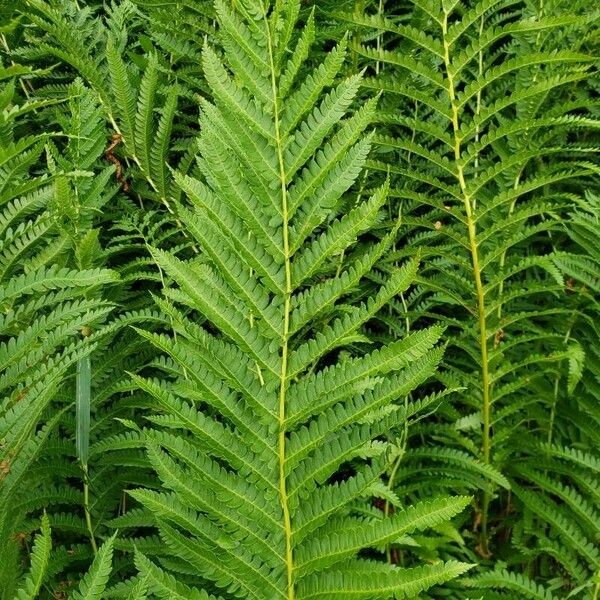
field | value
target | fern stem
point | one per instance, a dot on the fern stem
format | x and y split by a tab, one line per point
82	434
379	36
283	495
556	389
481	308
394	472
359	9
404	438
86	508
386	512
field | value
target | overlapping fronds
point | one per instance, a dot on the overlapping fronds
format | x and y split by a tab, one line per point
300	299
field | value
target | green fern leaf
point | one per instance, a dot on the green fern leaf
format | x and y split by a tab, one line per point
93	584
40	559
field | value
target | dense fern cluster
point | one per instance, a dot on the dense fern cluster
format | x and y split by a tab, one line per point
299	300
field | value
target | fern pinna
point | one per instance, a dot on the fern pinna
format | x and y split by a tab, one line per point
267	444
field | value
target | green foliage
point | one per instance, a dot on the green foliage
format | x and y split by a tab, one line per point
492	146
40	557
299	299
93	584
277	415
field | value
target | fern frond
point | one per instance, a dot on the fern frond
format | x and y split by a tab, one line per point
93	584
247	412
40	558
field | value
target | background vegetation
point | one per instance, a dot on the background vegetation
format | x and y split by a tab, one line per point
299	299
